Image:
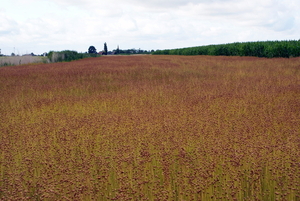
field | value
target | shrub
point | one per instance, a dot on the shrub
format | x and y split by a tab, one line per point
68	55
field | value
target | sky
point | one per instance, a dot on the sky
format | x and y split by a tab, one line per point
38	26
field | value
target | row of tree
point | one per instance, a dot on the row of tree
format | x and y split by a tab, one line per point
132	51
93	50
267	49
68	55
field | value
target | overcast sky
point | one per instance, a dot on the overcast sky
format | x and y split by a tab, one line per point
42	25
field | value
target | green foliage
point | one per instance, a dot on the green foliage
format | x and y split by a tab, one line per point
92	50
267	49
131	51
68	55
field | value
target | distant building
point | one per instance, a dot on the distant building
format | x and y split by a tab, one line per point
32	54
111	53
108	53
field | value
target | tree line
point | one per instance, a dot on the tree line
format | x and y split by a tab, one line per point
93	50
67	55
269	49
70	55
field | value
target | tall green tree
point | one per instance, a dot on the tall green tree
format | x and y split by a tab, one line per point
105	48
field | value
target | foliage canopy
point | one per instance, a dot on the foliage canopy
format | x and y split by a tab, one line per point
68	55
92	50
267	49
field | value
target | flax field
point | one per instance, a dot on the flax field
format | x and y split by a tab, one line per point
151	128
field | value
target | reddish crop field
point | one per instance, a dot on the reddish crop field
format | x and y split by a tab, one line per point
151	128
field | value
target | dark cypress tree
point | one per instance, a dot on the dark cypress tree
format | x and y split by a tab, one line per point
105	48
118	50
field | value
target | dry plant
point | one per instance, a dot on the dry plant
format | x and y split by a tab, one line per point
19	60
151	128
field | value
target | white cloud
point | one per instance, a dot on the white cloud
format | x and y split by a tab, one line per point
76	24
8	26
